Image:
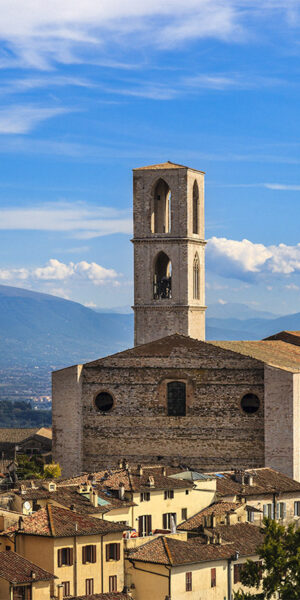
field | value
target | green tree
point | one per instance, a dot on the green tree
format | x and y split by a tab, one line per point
52	470
280	568
29	467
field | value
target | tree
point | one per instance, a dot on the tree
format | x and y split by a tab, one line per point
29	467
280	568
52	470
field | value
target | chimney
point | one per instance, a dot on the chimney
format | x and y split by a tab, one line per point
60	588
33	575
213	520
125	464
121	490
150	481
207	539
219	538
164	471
72	507
250	479
95	499
228	519
120	463
21	524
140	470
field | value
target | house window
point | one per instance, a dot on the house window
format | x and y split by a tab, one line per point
167	520
112	552
188	582
145	496
162	282
88	554
104	402
89	586
281	510
237	573
250	515
297	508
187	492
145	525
22	592
268	510
169	494
176	397
113	583
184	514
66	588
65	557
213	578
250	403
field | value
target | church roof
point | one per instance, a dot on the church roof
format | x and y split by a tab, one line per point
276	353
165	165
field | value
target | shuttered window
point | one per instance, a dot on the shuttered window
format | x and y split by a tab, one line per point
145	525
167	520
297	508
237	573
65	557
213	577
66	588
89	554
113	583
89	586
112	552
188	581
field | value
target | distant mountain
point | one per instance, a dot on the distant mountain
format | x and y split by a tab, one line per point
39	329
235	310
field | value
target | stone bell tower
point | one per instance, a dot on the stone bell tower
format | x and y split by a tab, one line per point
169	266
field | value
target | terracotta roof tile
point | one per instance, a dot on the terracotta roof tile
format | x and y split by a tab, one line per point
53	521
272	352
242	537
265	480
165	165
17	569
218	508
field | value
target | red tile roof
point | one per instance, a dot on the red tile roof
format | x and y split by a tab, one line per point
265	481
242	537
17	569
53	521
165	165
218	508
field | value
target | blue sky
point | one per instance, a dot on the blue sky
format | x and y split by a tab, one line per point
91	89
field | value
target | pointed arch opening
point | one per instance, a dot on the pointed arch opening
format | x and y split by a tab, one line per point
162	284
195	207
161	208
196	277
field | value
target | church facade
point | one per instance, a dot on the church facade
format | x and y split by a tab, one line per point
175	398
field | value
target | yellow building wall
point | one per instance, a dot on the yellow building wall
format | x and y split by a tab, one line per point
201	581
38	549
148	586
120	514
113	567
41	590
4	589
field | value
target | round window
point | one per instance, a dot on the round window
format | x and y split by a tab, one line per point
250	403
104	401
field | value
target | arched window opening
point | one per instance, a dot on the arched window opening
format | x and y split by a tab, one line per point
176	399
195	208
162	284
196	277
161	208
250	403
104	402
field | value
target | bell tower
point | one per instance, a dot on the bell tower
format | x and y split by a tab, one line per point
169	267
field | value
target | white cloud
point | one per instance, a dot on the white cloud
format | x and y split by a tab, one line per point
22	119
80	220
292	286
39	34
55	270
247	260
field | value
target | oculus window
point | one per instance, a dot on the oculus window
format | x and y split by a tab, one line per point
250	403
104	402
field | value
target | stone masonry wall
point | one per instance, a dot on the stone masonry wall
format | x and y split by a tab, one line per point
215	434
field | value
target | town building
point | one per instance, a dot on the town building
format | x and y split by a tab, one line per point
20	579
85	554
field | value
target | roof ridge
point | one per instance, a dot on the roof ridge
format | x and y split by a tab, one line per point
167	549
50	517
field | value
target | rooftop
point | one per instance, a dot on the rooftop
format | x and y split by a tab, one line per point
265	480
54	521
275	352
107	596
17	434
16	569
163	166
242	537
218	508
